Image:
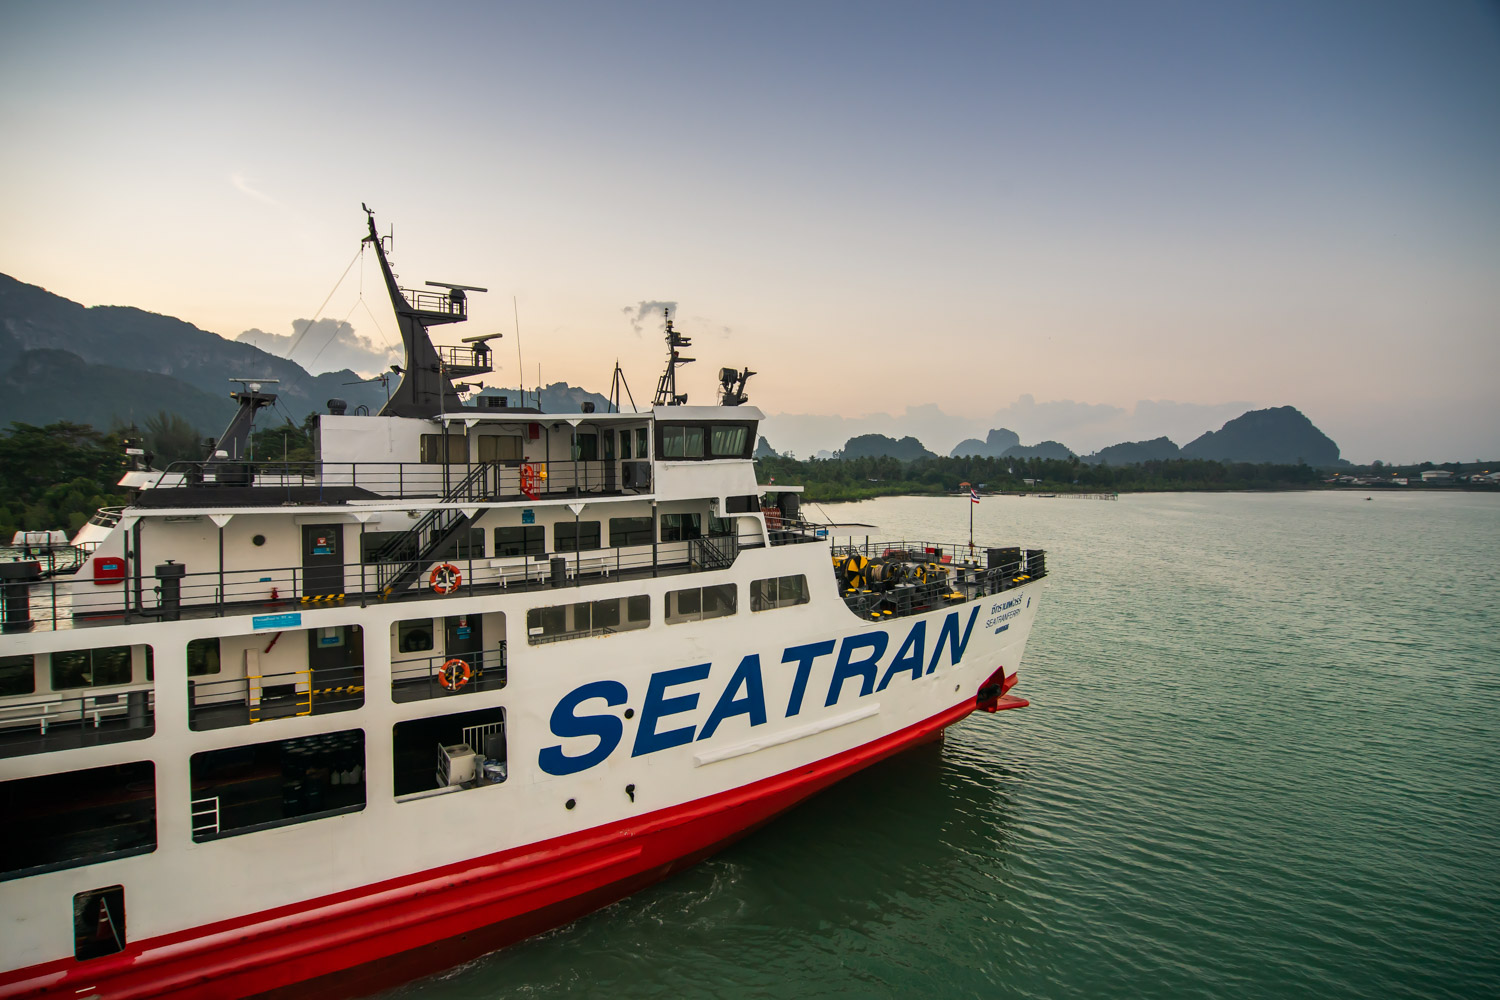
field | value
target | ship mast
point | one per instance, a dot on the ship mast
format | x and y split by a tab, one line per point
666	386
426	388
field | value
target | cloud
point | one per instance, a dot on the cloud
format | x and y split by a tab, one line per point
639	313
243	186
329	346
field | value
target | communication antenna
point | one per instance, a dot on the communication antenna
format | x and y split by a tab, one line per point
615	385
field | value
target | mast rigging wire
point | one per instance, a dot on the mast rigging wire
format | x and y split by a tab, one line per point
293	349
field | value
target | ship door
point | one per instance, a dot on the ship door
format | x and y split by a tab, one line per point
322	560
463	637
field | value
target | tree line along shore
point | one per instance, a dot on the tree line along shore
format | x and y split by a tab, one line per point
57	476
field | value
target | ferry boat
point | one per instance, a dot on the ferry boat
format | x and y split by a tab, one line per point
318	728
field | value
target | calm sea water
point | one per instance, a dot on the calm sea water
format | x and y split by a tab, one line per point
1260	761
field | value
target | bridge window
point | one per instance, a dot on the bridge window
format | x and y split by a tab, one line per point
625	531
448	753
727	440
574	621
700	602
690	442
245	789
57	821
778	592
521	540
568	536
681	441
17	675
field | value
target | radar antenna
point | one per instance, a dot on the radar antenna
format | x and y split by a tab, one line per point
732	386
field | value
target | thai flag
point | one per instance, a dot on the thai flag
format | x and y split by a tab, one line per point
973	495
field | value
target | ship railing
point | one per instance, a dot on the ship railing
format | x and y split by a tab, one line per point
65	721
259	697
264	590
276	481
789	531
930	573
436	302
418	678
205	816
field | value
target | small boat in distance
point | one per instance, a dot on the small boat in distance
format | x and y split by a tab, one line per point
315	728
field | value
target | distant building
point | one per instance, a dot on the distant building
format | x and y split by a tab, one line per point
1437	476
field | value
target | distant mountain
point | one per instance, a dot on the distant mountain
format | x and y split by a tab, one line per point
763	449
1046	449
877	445
994	445
41	387
1135	452
123	339
1281	434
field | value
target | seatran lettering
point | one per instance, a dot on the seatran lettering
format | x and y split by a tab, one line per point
669	693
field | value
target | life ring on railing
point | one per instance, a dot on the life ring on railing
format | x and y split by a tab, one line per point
445	578
454	674
528	480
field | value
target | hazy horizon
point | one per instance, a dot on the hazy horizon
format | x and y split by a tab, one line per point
876	207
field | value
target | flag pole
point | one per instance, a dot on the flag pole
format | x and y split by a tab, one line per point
972	501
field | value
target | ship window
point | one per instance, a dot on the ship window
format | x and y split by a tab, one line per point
17	675
387	546
700	602
464	750
642	439
778	592
203	657
574	621
99	922
57	821
681	527
466	545
625	444
629	531
414	636
76	668
249	788
727	440
608	440
683	441
432	449
505	448
521	540
586	448
585	533
747	504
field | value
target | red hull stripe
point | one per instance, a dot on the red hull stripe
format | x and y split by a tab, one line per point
420	923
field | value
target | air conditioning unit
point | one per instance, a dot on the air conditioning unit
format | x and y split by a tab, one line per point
636	475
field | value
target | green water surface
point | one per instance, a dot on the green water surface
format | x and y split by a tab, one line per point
1260	761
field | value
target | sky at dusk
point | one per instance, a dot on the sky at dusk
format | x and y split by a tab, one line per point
1111	220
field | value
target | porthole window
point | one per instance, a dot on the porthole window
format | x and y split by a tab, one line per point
258	540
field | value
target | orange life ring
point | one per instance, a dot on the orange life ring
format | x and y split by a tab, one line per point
445	578
454	674
528	480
